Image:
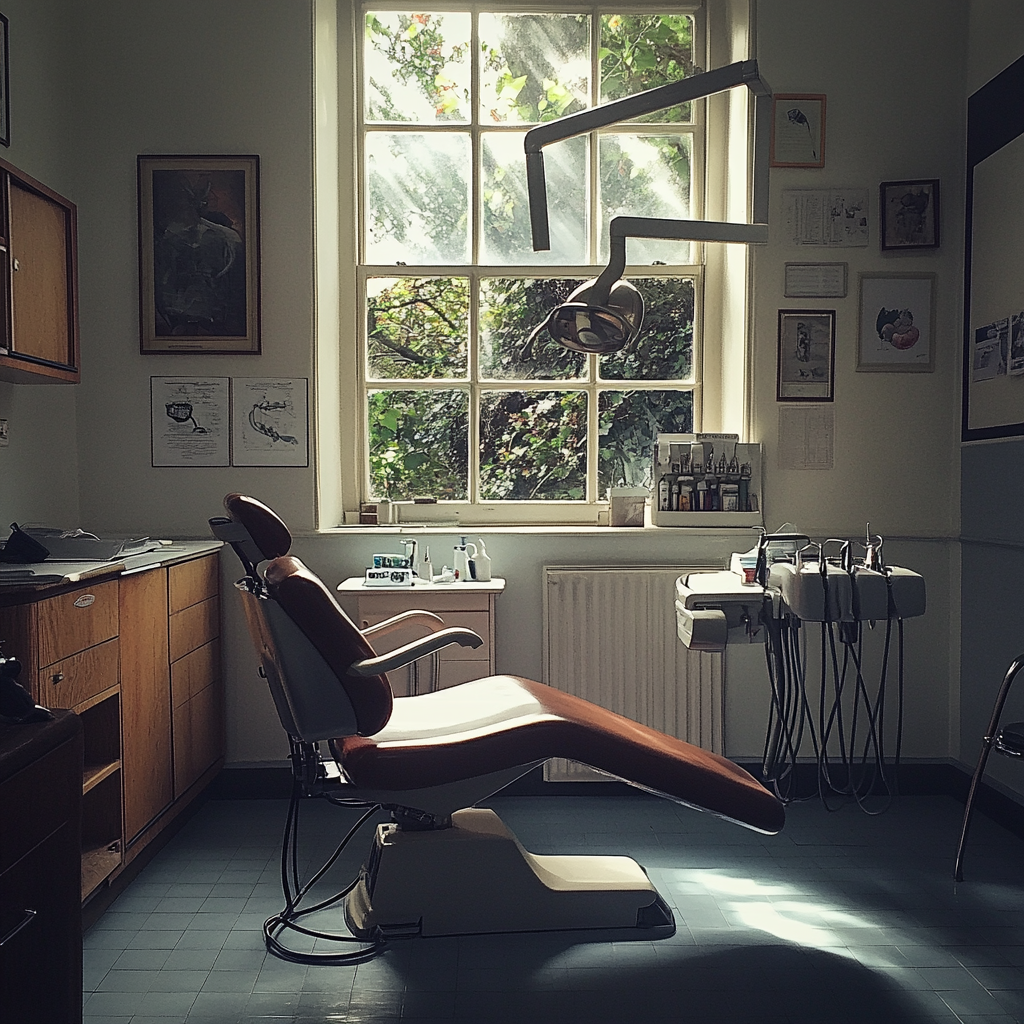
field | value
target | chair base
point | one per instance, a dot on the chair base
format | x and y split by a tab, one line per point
475	877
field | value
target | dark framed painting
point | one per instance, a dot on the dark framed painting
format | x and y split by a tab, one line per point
909	212
807	355
199	254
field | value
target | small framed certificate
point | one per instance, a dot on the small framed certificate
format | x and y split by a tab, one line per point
816	280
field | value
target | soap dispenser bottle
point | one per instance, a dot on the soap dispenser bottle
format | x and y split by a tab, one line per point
483	563
460	562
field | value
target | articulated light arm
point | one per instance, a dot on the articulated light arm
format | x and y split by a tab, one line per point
664	96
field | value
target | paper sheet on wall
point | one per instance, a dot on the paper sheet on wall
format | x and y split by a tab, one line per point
270	422
190	421
806	436
831	217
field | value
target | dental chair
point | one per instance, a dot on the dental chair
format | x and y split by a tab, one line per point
442	865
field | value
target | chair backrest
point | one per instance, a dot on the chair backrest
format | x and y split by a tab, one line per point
306	644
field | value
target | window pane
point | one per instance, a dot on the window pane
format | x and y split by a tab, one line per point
533	445
534	67
419	444
646	176
418	198
510	309
507	238
628	423
664	348
640	52
417	67
417	328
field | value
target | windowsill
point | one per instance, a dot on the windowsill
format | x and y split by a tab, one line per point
618	532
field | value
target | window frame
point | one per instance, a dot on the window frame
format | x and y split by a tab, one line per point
352	426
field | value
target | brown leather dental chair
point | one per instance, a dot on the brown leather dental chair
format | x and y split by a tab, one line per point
443	866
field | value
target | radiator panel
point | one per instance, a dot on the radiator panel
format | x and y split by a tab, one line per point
610	637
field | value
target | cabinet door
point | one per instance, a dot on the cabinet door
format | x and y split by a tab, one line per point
43	341
40	919
145	699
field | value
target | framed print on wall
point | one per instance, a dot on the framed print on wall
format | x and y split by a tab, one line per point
897	323
199	254
798	130
909	212
807	355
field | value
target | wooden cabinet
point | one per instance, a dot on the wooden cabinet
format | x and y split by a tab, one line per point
195	670
38	282
40	908
459	604
136	657
145	699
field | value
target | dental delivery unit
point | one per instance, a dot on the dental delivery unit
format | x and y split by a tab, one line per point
766	597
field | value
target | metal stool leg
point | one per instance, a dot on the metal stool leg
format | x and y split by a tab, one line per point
986	748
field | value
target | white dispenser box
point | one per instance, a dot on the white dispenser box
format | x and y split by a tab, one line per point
719	470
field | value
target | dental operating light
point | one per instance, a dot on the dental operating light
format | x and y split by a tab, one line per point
606	314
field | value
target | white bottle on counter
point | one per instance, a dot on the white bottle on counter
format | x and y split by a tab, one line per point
483	564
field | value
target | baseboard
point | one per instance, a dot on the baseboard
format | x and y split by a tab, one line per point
273	781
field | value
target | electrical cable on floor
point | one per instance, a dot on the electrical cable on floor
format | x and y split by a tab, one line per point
295	891
849	718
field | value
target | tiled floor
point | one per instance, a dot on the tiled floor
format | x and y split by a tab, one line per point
842	917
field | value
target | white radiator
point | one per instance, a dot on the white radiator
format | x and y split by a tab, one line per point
610	636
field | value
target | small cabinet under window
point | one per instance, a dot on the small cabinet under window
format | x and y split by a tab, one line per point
38	282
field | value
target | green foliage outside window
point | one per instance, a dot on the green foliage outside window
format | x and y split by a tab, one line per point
529	396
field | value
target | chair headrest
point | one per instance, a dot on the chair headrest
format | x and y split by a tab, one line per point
264	525
312	608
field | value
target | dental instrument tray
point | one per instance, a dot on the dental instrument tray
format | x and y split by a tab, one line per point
706	480
716	608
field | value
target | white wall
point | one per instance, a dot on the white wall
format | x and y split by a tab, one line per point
39	469
188	77
235	76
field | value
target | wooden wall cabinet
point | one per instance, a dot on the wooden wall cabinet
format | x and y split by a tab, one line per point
111	651
38	282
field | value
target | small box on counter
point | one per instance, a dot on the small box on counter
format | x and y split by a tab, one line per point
388	578
706	480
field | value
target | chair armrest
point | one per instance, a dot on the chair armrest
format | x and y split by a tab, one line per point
410	618
417	649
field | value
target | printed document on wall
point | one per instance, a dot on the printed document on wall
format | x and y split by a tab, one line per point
270	421
190	425
806	437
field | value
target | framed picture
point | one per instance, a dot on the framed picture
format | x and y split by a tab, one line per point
798	130
897	323
5	83
909	212
199	254
807	355
815	281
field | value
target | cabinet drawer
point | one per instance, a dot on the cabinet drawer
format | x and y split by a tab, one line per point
193	627
188	583
70	623
67	683
27	818
198	736
194	672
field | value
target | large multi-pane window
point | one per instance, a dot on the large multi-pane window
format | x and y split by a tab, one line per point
461	401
